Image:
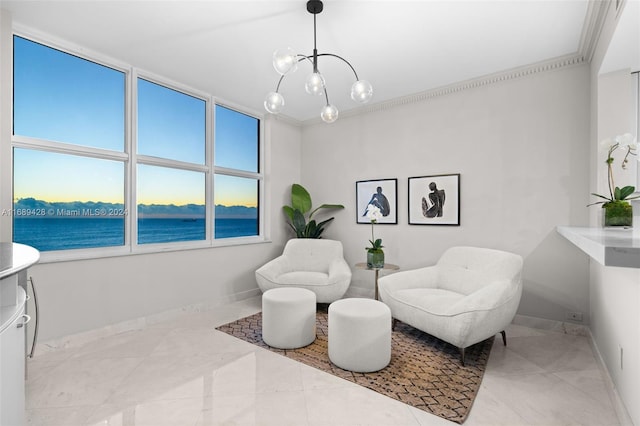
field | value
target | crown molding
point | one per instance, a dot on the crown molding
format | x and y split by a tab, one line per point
512	74
597	11
284	119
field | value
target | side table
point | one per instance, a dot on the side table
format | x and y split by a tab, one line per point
387	266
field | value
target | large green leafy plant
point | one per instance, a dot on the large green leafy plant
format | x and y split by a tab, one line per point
300	214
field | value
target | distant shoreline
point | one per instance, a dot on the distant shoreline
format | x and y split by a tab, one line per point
33	208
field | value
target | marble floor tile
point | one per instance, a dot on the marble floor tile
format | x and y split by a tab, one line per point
79	382
545	399
179	370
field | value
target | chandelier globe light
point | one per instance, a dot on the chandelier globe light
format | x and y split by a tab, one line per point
286	61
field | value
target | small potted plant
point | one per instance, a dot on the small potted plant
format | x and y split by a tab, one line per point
617	209
375	254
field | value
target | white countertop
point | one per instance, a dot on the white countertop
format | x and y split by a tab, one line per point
608	246
16	257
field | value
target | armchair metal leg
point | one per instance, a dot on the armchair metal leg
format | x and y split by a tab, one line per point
393	324
504	337
462	356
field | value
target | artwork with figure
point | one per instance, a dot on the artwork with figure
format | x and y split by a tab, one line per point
379	200
434	205
381	193
427	196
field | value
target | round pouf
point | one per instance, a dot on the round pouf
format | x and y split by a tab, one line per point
288	317
360	334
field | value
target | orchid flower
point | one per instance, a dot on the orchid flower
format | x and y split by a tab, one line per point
374	215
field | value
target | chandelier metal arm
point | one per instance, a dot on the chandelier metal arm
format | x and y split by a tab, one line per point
308	58
315	69
343	60
279	81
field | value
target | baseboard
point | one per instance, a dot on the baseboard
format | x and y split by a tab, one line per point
79	339
552	325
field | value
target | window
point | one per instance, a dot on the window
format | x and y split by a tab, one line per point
66	195
171	124
67	201
60	97
236	205
171	201
236	179
191	169
171	205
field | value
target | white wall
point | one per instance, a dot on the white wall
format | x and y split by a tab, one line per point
83	295
521	147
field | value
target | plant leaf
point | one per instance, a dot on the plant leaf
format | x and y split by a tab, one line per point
626	191
324	222
299	222
327	206
616	194
300	198
311	229
288	210
601	196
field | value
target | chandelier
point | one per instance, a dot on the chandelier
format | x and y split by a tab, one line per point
286	61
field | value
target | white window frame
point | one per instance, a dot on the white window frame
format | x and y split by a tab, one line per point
131	159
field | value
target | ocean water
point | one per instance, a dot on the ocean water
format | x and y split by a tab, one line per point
47	234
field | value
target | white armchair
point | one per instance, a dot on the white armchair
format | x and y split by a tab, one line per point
314	264
470	295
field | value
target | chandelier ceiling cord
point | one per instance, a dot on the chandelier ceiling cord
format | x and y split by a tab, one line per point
286	61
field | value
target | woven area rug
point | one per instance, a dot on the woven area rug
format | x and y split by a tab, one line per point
424	372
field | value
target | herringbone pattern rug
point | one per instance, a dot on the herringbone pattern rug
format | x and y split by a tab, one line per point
424	372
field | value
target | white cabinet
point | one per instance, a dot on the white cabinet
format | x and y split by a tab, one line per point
14	261
12	364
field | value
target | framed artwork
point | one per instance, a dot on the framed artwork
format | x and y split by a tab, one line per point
434	200
382	193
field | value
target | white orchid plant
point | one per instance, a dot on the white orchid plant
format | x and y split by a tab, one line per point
627	143
374	215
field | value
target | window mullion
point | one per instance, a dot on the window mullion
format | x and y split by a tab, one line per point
163	162
131	227
237	173
210	161
66	148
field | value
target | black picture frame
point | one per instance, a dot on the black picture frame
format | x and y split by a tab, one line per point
382	192
434	200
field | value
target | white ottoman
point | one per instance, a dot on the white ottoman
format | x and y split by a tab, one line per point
360	334
288	317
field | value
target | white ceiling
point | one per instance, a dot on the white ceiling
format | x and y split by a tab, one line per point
401	47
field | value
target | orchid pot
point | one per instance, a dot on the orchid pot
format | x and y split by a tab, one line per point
618	213
616	207
375	258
